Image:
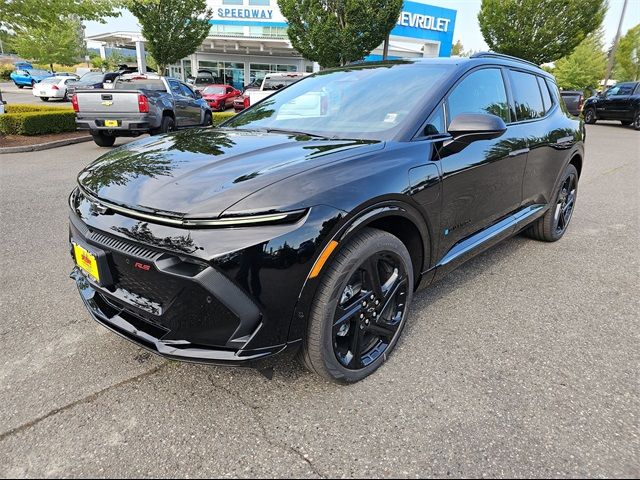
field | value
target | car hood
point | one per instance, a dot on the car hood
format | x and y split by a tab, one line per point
199	173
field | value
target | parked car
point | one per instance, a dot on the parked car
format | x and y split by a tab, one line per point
53	87
92	80
219	97
620	102
573	99
271	83
28	78
242	101
203	78
139	104
308	220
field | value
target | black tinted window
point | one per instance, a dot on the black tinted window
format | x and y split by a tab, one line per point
436	123
546	98
625	89
527	96
480	92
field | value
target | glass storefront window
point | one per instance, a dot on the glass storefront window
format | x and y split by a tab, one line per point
269	32
227	30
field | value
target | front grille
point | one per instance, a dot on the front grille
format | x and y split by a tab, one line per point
174	301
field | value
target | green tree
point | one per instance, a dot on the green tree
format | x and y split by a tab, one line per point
538	31
584	67
61	42
173	29
336	32
18	15
458	49
627	61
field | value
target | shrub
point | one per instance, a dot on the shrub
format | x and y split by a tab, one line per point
23	108
219	117
5	71
37	123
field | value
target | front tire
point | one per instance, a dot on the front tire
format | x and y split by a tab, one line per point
103	140
360	307
553	224
208	119
590	116
636	120
44	99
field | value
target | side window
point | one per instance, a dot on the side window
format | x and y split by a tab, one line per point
480	92
625	89
613	91
175	87
527	96
187	91
553	88
436	124
546	98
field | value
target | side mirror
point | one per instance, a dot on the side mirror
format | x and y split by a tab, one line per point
467	128
471	127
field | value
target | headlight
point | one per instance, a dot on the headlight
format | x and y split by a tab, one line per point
266	218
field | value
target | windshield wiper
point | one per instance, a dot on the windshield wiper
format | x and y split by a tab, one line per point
294	132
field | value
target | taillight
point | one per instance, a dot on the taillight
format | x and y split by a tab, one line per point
74	103
246	102
55	87
143	104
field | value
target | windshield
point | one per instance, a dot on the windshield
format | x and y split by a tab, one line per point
92	77
38	72
213	90
368	102
139	84
50	80
277	83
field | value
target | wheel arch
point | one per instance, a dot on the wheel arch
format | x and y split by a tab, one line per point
576	161
393	216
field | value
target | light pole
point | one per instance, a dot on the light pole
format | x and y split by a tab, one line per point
615	45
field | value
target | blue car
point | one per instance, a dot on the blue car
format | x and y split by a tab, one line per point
28	78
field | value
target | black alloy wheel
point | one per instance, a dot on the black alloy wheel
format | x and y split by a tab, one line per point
590	116
565	203
360	307
553	224
370	310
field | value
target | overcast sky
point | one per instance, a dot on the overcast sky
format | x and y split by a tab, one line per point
466	30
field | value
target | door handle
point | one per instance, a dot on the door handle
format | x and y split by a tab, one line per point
515	153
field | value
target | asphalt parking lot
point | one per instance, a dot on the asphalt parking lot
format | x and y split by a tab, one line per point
522	363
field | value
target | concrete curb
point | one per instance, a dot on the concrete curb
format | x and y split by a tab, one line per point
45	146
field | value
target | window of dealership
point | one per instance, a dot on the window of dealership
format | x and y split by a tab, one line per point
248	39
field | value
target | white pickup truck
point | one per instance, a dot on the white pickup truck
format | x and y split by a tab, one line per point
271	83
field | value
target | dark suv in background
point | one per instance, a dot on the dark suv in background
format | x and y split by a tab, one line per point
620	102
306	222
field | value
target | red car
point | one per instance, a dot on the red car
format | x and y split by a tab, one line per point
220	97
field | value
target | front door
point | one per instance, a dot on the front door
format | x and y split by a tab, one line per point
180	102
483	182
192	105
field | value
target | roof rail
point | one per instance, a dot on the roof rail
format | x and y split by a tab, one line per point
503	56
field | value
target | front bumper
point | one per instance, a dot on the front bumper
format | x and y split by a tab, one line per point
149	336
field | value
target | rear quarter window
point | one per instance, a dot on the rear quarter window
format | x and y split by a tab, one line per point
527	96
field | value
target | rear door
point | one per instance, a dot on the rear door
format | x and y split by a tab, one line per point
483	182
192	105
180	102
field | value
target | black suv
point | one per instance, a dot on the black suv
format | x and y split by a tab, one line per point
621	102
307	222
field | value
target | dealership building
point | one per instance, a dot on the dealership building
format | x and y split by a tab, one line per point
248	39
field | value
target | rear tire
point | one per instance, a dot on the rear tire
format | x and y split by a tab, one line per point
357	317
208	120
554	223
167	125
20	86
44	99
590	116
103	140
